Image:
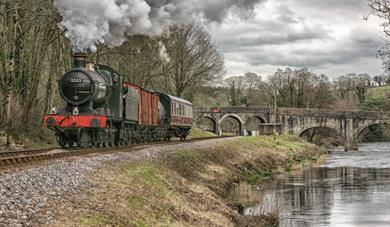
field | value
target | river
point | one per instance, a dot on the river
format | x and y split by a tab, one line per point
352	189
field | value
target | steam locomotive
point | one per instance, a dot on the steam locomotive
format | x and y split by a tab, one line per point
102	110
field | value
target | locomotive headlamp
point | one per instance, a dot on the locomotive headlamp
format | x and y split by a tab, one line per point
95	123
51	122
75	111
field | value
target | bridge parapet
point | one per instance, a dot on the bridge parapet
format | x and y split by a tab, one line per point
349	124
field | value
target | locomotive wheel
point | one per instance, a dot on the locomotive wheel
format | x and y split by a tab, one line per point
104	139
111	138
70	144
84	140
98	141
109	141
62	141
62	144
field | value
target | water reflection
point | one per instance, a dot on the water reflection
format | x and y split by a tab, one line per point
351	189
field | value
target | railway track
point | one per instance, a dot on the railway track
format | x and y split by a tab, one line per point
6	154
24	157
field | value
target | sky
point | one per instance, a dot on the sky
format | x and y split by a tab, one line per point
327	36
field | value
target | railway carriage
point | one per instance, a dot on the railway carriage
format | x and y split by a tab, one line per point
178	116
102	110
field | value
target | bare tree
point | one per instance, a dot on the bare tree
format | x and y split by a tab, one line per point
235	90
28	33
194	59
381	8
138	60
379	80
299	88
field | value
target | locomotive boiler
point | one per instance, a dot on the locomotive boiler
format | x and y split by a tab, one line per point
103	110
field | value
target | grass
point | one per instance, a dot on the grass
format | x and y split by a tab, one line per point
257	177
190	187
95	221
378	92
199	133
376	99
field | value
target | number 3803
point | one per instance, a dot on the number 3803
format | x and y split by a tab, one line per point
76	80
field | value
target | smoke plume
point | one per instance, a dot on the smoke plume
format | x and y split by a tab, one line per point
91	22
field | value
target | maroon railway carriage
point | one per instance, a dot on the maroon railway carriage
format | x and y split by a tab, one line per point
178	115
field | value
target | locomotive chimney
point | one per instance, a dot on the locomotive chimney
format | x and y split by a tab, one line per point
79	60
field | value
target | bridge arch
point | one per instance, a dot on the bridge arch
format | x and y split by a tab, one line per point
360	132
252	123
260	118
241	123
317	127
326	132
211	119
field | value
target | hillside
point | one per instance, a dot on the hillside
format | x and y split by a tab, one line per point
377	99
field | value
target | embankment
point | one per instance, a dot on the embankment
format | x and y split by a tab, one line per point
186	186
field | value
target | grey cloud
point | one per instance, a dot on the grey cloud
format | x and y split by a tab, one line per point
271	32
342	53
286	37
350	5
304	33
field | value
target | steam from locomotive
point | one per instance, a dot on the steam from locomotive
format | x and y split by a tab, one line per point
90	22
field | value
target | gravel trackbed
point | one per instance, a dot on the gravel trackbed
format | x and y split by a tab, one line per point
30	195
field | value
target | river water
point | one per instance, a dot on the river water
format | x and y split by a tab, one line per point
350	189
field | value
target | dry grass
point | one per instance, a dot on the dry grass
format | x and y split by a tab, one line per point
189	187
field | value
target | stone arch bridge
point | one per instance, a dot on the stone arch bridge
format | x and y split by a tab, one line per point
348	124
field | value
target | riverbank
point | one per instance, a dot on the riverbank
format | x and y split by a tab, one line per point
188	185
349	189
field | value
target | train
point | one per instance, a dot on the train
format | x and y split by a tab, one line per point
104	110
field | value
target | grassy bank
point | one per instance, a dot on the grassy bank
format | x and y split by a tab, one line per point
198	133
187	187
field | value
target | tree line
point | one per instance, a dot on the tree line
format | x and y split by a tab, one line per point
301	88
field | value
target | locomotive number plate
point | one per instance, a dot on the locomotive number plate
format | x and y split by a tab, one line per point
76	80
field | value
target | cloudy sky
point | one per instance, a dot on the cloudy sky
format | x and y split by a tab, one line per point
327	36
